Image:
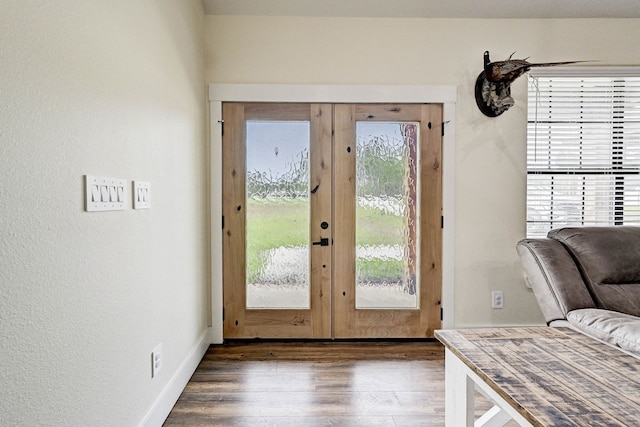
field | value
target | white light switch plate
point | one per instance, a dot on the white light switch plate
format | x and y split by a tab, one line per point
141	195
104	194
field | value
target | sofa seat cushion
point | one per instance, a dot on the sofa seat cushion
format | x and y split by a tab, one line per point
619	329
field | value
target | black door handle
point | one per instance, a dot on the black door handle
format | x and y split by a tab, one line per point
324	241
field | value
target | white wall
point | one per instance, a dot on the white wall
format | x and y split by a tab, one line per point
110	88
490	153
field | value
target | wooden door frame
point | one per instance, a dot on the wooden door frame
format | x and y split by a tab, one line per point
219	93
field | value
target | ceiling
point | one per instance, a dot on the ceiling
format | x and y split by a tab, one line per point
506	9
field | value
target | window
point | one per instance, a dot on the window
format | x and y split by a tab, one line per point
583	148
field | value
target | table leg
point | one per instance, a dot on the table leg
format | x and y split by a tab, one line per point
460	385
459	393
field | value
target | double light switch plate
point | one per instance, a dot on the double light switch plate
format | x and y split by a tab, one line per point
141	195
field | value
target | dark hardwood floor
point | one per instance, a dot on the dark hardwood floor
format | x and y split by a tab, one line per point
309	384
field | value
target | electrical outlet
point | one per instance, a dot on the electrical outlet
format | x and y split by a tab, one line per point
156	360
497	299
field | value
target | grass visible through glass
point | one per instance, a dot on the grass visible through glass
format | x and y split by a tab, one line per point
277	228
386	188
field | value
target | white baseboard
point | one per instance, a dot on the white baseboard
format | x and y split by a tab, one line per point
169	396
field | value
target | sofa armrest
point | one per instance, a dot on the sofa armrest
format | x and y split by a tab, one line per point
554	278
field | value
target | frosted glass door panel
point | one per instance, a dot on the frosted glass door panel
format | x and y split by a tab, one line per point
277	228
386	188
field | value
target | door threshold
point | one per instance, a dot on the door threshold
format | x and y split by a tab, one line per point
325	340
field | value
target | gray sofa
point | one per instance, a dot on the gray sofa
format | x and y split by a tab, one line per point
588	278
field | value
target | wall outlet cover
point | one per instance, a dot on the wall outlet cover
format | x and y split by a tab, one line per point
156	360
497	299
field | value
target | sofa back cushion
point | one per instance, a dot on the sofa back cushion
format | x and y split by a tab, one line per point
609	260
554	277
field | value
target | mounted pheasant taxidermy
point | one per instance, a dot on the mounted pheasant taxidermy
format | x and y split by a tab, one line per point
493	85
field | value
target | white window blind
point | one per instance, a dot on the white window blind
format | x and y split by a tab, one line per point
583	149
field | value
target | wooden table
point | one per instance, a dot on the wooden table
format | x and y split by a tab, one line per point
539	377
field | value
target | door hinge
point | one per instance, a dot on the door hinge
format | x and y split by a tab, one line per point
221	126
223	222
441	314
442	128
442	222
223	314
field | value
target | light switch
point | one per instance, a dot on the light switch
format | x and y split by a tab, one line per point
95	193
104	193
141	195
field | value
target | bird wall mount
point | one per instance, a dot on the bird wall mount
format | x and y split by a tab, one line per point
493	85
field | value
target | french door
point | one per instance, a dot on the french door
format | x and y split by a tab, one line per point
332	220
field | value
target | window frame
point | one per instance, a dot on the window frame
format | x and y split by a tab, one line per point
616	169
